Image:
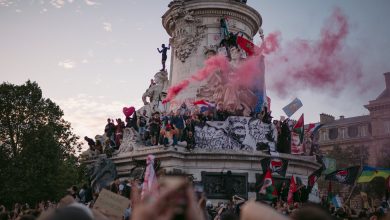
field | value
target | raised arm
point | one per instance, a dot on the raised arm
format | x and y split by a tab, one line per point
159	50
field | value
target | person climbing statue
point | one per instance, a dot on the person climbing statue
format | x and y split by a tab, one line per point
164	54
224	28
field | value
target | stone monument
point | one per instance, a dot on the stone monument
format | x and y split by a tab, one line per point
227	154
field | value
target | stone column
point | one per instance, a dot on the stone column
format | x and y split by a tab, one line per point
194	27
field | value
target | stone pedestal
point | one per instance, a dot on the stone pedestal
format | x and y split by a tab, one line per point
242	169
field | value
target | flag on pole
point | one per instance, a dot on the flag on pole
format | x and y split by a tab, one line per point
291	191
259	85
292	107
268	189
204	105
276	165
299	128
330	164
248	46
313	128
344	176
297	135
337	201
314	177
330	193
150	185
369	173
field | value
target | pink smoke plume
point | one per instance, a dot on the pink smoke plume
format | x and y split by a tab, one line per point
271	43
173	91
248	70
211	65
301	64
323	64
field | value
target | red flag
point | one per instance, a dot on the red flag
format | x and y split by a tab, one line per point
249	47
268	188
292	190
203	102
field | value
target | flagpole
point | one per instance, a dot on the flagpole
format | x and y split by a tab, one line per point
350	194
361	169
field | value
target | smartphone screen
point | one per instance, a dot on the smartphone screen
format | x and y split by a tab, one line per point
199	190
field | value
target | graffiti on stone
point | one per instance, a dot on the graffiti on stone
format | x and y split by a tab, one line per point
236	133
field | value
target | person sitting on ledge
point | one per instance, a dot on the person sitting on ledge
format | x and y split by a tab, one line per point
91	143
99	147
190	139
169	135
178	121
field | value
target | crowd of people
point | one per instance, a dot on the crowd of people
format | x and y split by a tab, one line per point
168	129
181	201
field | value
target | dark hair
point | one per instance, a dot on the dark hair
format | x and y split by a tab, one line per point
4	215
27	217
69	213
311	212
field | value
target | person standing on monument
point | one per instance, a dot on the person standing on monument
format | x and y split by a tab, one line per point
163	51
154	126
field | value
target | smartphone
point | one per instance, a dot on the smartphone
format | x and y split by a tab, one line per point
199	190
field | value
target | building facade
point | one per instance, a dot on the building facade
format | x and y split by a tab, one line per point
363	139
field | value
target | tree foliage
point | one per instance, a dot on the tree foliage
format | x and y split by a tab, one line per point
37	146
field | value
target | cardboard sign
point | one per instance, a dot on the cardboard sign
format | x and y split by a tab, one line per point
112	204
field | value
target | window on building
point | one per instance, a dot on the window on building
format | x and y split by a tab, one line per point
353	131
333	133
387	127
324	135
369	128
343	133
363	131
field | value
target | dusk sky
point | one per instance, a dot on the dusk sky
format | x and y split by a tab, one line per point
95	57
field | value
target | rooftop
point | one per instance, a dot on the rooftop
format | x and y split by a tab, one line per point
351	120
385	94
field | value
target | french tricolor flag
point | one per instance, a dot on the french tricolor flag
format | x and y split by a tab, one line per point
313	128
204	105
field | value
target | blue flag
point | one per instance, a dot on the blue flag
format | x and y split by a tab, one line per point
291	108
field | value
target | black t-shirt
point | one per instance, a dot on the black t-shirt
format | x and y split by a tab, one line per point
109	129
142	121
155	123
